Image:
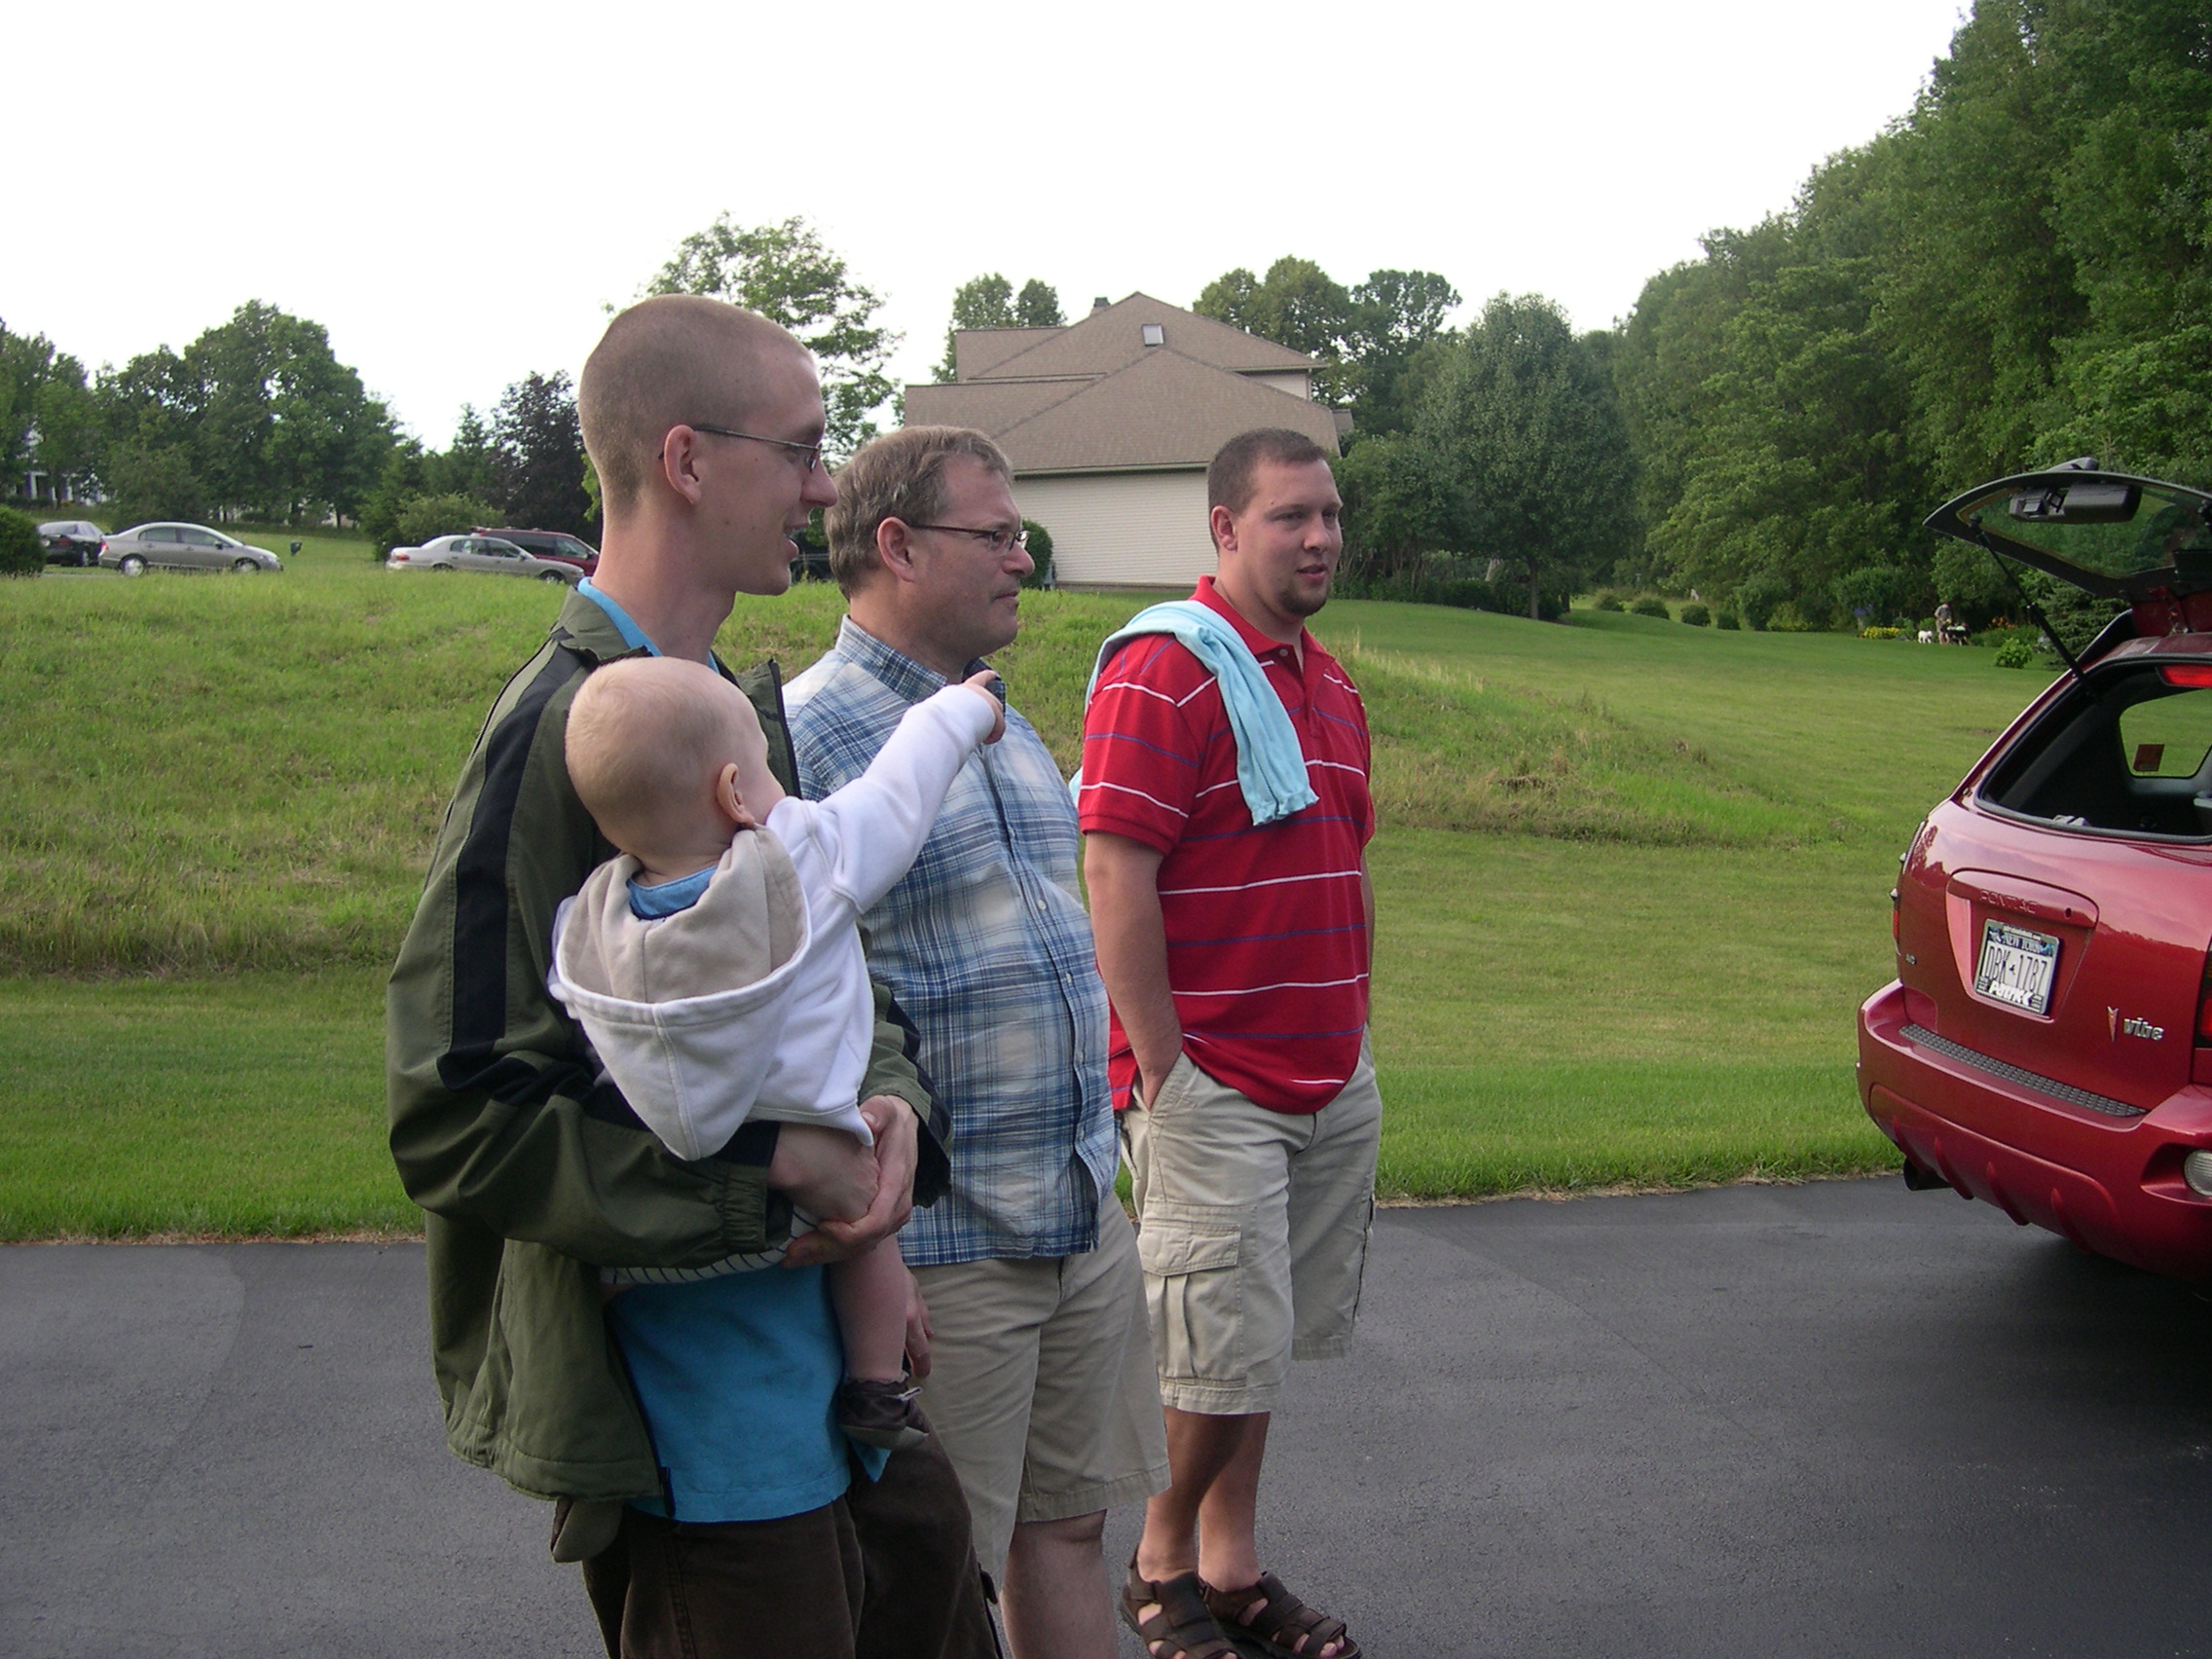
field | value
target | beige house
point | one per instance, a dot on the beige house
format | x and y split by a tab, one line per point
1110	423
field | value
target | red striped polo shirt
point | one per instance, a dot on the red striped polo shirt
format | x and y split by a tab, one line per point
1267	926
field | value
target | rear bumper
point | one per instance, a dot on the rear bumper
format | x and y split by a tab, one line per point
2110	1184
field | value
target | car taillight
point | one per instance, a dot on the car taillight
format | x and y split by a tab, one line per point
2190	674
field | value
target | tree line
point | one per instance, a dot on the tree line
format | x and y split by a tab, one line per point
2016	271
257	419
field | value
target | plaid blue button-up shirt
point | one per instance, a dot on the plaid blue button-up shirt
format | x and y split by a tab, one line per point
985	944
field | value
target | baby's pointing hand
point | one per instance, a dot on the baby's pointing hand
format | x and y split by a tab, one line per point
988	684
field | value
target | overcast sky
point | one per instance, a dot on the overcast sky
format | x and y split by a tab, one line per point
456	190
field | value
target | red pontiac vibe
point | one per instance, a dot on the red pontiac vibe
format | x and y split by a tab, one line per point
2047	1046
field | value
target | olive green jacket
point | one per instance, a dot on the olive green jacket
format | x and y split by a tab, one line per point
532	1168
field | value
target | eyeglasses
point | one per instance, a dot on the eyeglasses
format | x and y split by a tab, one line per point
811	453
997	540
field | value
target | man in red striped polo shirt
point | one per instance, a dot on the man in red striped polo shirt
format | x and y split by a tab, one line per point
1234	944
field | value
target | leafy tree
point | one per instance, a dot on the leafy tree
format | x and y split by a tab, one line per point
1804	473
785	273
1524	438
1375	343
1297	303
1398	509
537	456
1038	306
46	417
150	481
24	359
990	302
1394	342
69	439
412	472
270	421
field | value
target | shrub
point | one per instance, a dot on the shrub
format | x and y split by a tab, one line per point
1758	598
1786	618
1610	602
1726	618
421	517
21	554
2014	652
1039	554
1696	615
1879	633
1649	606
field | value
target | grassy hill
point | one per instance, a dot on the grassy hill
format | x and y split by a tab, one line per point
1632	876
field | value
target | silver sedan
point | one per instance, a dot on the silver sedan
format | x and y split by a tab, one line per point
183	547
486	553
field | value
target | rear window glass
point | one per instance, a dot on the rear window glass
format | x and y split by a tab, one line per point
2168	737
2128	754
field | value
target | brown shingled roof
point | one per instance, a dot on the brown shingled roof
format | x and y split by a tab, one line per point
988	406
976	352
1163	410
1112	337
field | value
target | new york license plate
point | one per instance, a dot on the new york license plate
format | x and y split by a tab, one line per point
2016	965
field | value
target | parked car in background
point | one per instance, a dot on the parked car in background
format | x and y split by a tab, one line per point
183	547
489	554
72	542
551	544
2046	1044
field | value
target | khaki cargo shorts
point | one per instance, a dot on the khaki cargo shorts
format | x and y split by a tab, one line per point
1042	1388
1252	1229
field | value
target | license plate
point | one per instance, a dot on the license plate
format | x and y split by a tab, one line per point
2016	965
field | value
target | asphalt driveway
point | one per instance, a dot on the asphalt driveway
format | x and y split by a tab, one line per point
1837	1419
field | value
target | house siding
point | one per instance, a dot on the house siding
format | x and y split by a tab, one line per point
1123	528
1298	383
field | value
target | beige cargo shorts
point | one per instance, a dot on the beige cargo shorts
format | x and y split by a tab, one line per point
1042	1389
1252	1232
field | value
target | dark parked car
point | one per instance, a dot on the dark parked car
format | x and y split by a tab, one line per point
2046	1044
72	542
551	544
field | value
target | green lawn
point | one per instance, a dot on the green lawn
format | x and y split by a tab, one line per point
1633	877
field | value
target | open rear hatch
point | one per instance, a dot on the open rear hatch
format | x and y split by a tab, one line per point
2142	541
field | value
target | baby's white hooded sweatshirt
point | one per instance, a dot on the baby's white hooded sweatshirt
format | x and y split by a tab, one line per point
756	1001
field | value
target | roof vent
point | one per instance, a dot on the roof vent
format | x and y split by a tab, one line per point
1155	334
1101	303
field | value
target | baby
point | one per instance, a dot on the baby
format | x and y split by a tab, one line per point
717	964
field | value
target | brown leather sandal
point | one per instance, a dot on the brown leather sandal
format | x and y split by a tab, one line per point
1183	1628
1284	1626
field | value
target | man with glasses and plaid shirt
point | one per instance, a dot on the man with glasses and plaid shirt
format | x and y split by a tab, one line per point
1041	1387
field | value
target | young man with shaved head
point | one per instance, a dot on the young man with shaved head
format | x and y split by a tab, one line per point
684	1430
1225	815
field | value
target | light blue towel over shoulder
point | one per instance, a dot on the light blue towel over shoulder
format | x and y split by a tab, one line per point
1270	766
